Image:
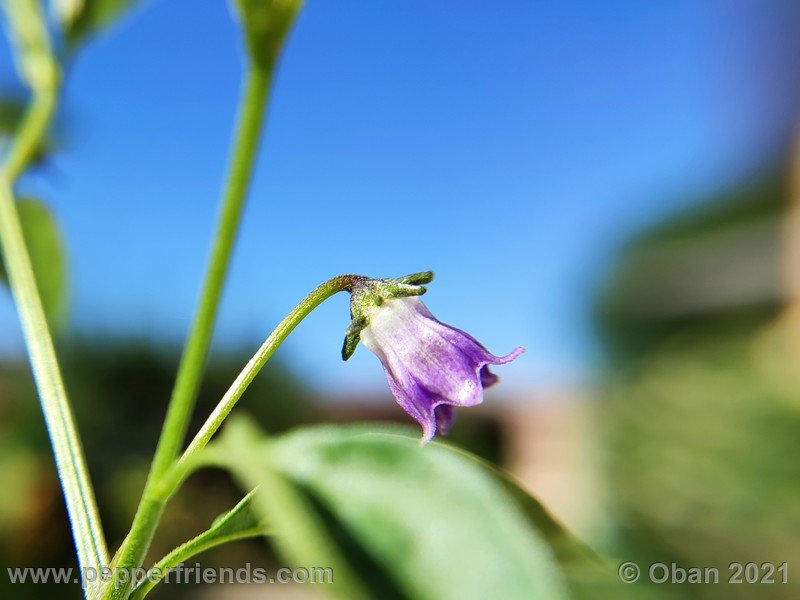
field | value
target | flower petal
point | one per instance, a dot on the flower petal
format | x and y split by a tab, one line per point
444	418
430	367
416	405
488	378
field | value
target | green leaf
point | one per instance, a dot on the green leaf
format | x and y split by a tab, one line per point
47	253
300	533
240	518
81	19
428	520
590	576
266	23
238	523
568	549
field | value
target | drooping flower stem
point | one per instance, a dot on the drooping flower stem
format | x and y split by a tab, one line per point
190	370
157	494
254	365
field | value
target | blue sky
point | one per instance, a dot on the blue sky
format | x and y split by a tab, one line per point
510	146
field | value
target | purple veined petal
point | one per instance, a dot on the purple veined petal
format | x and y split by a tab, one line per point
444	418
461	338
449	377
431	410
421	414
430	367
417	356
467	344
464	341
488	379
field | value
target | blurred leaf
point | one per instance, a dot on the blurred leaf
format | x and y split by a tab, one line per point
568	549
706	270
20	471
301	533
81	19
12	111
240	518
31	42
266	23
702	453
47	253
425	519
589	575
240	522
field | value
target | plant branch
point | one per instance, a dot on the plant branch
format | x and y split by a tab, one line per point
37	66
192	364
193	456
237	524
194	357
191	548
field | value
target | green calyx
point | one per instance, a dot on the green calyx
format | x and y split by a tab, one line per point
266	24
367	295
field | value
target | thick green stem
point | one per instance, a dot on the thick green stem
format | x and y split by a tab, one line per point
193	360
192	364
69	457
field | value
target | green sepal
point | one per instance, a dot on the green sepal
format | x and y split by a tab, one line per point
266	23
367	295
351	337
416	278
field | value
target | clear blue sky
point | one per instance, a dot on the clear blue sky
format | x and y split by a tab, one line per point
510	146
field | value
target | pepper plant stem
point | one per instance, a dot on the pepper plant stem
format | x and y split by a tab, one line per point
194	357
190	370
70	461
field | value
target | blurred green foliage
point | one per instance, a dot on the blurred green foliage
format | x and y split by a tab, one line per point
394	520
701	413
12	108
48	259
120	389
676	277
83	18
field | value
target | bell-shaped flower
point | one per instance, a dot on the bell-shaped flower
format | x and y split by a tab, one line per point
431	367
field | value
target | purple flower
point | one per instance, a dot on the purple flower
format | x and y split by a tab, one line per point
431	367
